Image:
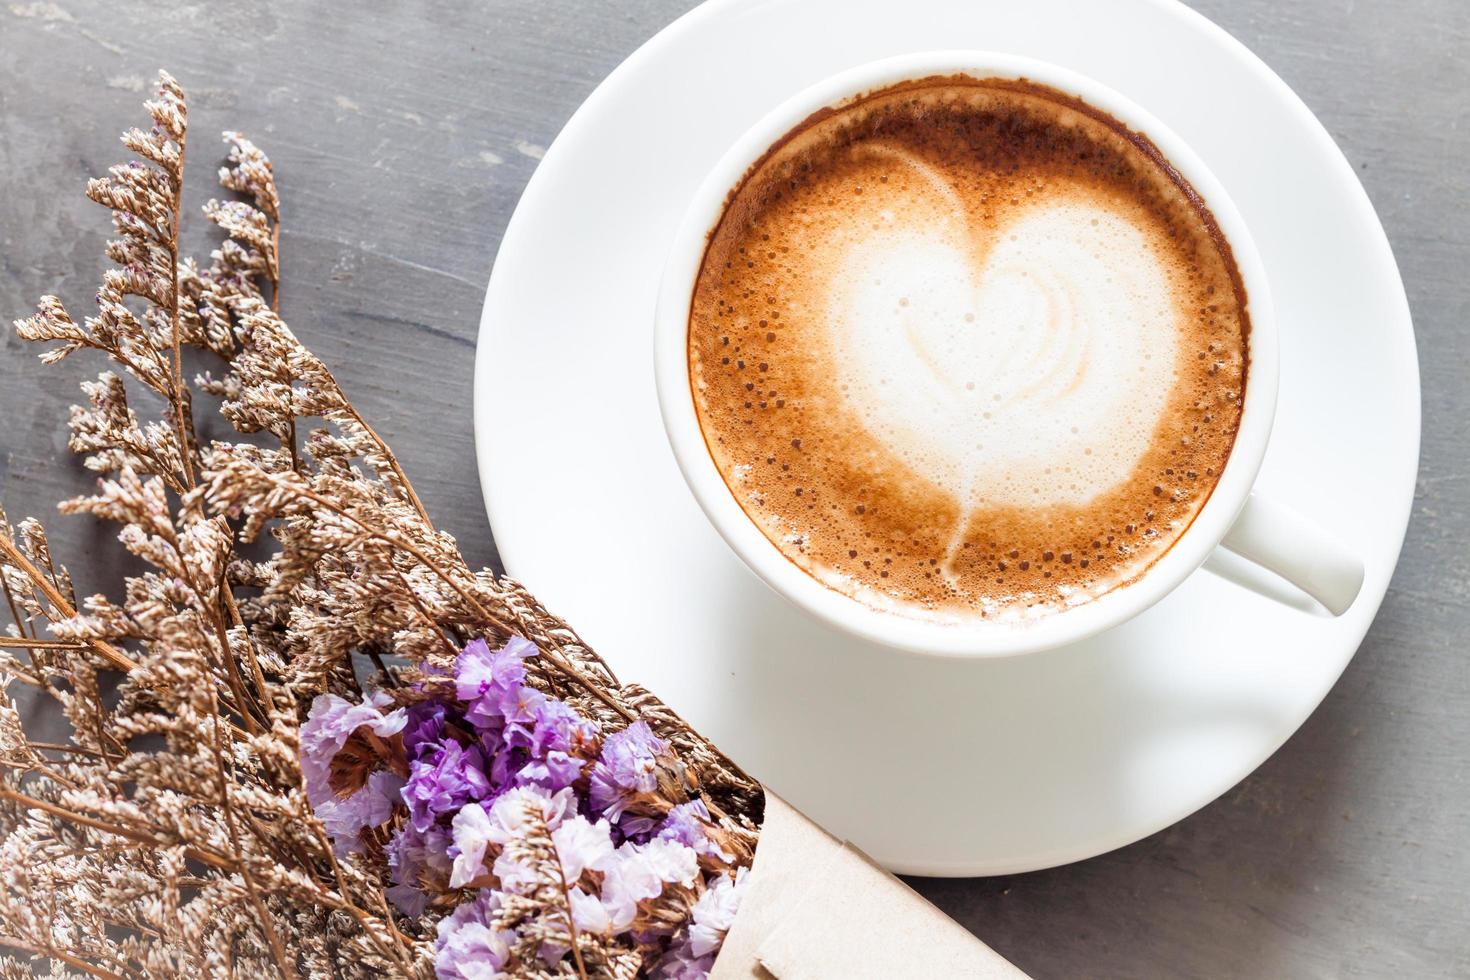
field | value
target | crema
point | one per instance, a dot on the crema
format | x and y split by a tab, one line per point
967	348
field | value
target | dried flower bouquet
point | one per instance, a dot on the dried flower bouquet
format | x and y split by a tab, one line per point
309	739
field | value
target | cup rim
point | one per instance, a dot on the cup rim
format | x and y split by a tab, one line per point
980	638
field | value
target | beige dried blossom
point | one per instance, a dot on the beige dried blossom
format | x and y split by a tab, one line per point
170	834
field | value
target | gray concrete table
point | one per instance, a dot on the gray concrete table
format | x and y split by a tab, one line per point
404	136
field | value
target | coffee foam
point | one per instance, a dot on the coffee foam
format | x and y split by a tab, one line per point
981	364
966	350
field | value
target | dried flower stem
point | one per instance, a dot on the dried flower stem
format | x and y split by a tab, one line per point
60	955
393	540
21	623
34	643
278	952
182	415
413	497
13	556
69	749
72	816
233	609
566	897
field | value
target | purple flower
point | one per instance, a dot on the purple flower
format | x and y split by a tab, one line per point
424	728
559	728
371	806
626	768
689	824
490	680
517	709
685	823
468	947
479	668
417	860
329	723
445	778
505	762
500	762
556	771
680	963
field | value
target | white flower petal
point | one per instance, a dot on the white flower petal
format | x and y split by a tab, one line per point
472	831
581	844
588	913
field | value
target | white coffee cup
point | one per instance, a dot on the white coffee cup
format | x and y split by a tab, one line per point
1234	517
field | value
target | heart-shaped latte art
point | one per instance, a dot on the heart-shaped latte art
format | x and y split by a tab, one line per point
1020	365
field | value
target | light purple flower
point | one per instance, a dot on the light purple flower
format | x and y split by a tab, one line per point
516	876
494	764
517	709
444	779
329	723
689	824
490	680
556	771
559	728
468	947
414	857
478	668
515	815
685	823
370	806
516	812
680	963
671	861
626	767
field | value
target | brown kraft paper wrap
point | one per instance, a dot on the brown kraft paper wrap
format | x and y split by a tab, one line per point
818	908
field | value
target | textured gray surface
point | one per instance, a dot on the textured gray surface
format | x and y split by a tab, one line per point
403	135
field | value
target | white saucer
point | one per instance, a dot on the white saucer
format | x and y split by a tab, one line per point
935	767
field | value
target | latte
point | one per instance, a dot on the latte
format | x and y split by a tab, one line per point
968	348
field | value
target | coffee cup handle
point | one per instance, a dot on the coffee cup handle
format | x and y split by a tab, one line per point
1279	539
